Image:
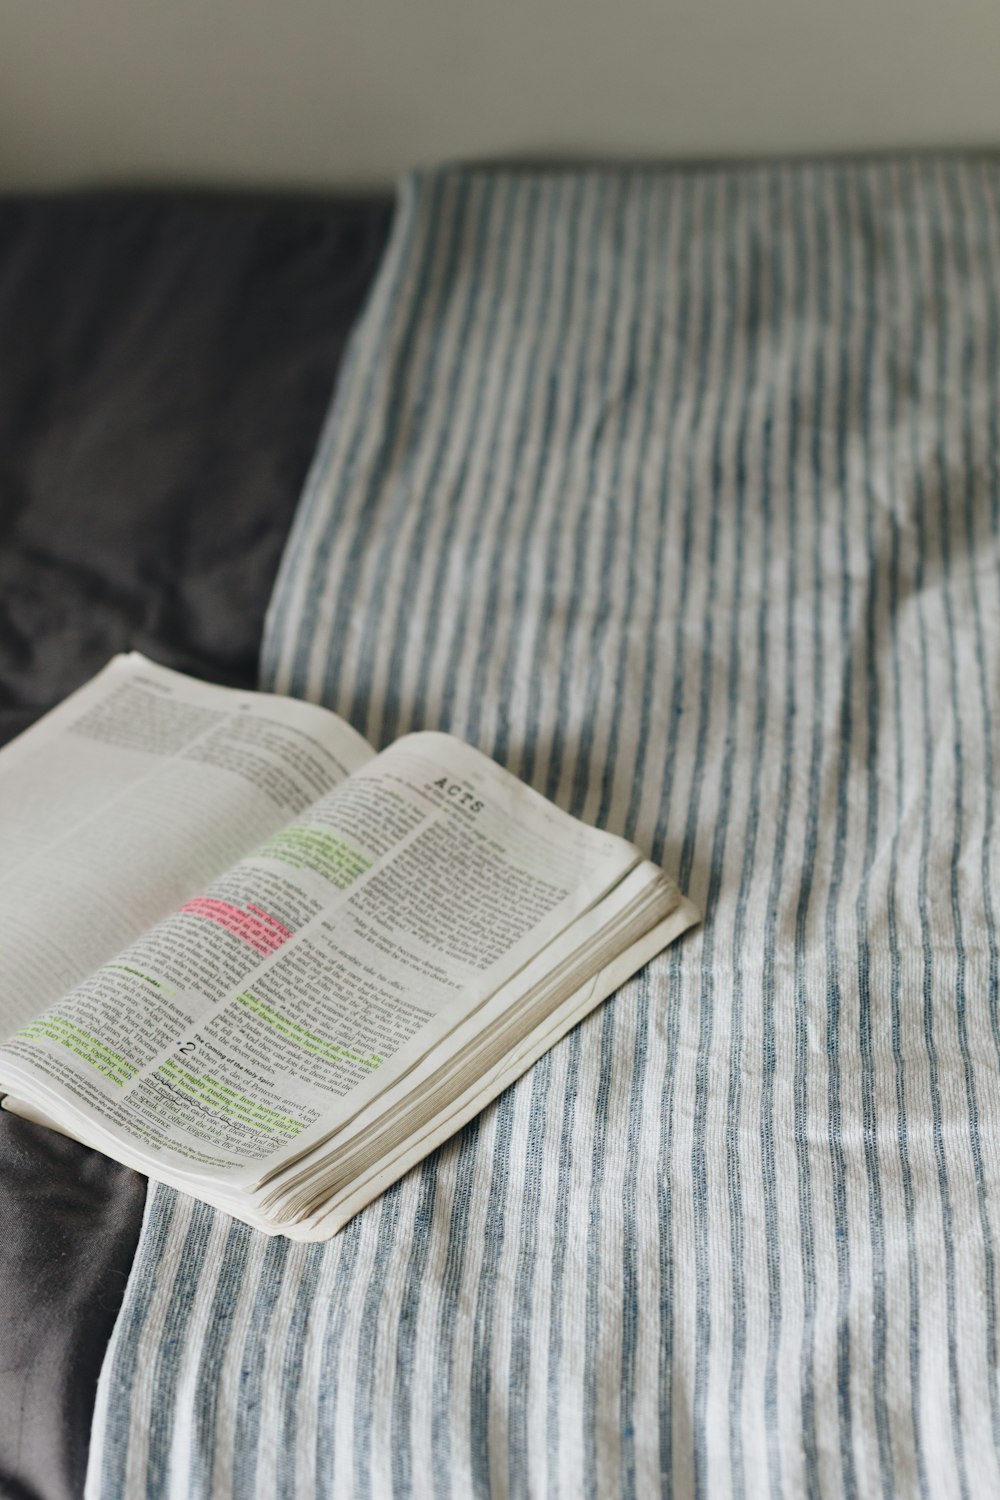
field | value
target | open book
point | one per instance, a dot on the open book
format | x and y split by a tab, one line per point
247	956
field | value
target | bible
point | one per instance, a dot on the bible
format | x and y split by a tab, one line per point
247	955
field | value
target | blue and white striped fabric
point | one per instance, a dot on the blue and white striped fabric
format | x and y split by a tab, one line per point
678	493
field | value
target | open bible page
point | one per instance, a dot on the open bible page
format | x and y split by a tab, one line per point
383	914
127	799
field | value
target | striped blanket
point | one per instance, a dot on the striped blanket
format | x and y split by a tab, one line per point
678	494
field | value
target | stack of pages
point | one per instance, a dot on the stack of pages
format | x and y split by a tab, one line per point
248	956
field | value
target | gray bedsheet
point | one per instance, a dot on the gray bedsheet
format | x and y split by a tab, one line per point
165	364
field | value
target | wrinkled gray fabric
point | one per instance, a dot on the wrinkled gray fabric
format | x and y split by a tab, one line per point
69	1221
165	365
164	369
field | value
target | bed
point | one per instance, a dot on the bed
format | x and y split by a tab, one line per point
677	492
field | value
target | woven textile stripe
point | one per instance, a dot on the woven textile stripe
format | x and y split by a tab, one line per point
677	493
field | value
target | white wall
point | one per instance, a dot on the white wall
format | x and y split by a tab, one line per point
347	92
